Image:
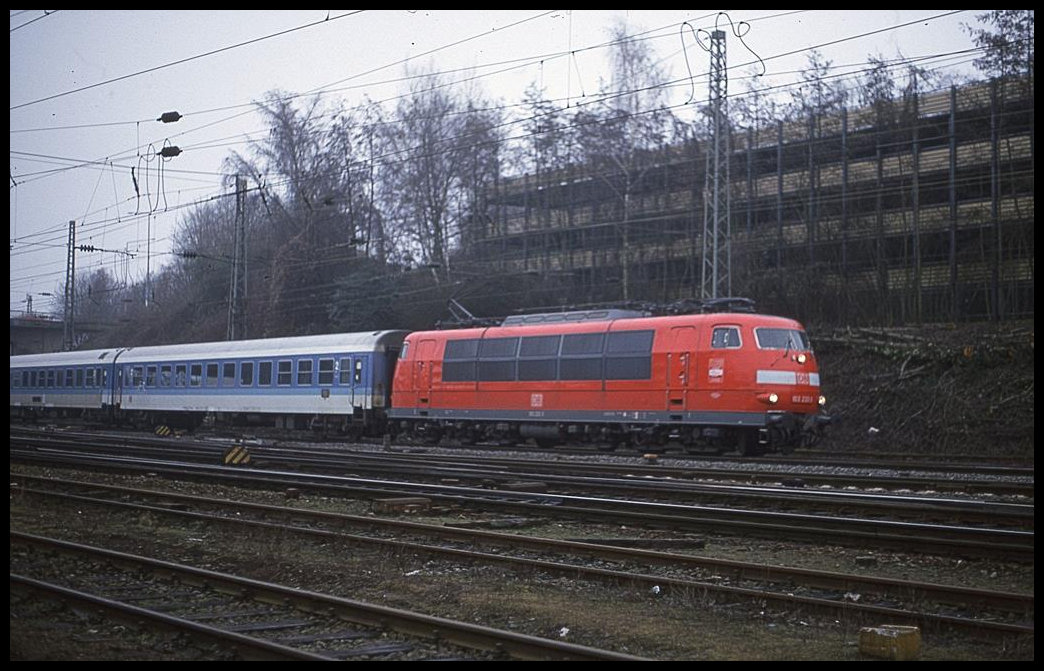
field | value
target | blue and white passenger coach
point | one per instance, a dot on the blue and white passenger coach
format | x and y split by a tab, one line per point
63	384
337	381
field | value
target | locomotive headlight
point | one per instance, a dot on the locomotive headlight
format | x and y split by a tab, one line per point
801	358
822	401
771	399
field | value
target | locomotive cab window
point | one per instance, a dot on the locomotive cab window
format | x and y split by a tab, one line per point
784	339
725	337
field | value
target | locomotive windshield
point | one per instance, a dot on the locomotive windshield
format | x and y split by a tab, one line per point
791	339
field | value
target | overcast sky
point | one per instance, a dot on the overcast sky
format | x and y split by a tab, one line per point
87	88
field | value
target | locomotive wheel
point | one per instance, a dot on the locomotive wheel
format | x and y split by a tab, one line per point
748	444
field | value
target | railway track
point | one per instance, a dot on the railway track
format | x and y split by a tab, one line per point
264	621
937	607
529	499
906	467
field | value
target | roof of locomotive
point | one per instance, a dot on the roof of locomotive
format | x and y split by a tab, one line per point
611	324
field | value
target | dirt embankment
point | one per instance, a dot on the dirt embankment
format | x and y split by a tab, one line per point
933	389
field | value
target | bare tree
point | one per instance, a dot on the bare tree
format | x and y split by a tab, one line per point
619	140
1008	49
437	148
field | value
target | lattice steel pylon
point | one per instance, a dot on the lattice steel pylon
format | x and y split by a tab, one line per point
716	279
69	309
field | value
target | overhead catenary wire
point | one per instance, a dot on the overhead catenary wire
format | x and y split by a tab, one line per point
516	137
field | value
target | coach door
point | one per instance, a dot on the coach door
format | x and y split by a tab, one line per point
422	365
680	359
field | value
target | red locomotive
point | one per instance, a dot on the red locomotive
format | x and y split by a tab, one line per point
711	381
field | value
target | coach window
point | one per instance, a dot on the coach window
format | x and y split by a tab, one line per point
304	372
344	372
79	377
137	377
180	375
228	375
50	378
358	371
725	337
103	377
150	376
196	374
246	374
264	373
212	375
68	378
581	356
165	375
285	376
326	372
